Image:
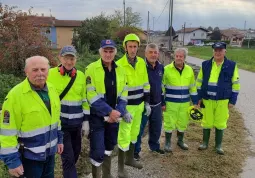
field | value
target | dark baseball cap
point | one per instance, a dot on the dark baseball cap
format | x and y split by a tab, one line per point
68	50
107	44
219	45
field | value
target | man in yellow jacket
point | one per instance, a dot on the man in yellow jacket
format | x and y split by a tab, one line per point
138	99
218	87
107	96
30	132
74	107
180	88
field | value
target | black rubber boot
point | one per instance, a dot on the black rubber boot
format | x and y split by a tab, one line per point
206	136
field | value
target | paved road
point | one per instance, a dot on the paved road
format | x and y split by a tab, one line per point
246	106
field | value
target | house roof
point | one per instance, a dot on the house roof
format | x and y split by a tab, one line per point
68	23
52	21
189	30
232	32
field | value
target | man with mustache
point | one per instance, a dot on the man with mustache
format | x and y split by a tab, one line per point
30	132
74	107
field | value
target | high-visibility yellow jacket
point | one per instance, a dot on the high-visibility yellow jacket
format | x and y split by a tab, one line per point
95	75
25	119
74	106
218	82
137	80
179	88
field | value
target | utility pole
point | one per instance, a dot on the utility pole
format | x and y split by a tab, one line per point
245	25
170	23
153	29
148	28
183	33
124	12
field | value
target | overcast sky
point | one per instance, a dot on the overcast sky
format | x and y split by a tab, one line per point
221	13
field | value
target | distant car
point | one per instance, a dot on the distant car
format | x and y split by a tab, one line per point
209	44
199	44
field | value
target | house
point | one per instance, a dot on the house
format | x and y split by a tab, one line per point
233	35
59	32
192	35
250	34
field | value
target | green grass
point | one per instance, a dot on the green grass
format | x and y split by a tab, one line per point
245	58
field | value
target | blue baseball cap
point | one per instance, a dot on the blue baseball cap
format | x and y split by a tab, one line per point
68	50
219	45
107	44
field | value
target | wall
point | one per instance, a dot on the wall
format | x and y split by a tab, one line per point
188	37
53	37
64	36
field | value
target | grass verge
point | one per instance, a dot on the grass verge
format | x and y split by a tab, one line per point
245	58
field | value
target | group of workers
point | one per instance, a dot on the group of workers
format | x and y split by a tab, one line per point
111	103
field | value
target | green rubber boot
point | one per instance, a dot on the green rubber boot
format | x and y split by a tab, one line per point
180	142
168	147
206	136
106	167
130	161
122	173
218	141
96	171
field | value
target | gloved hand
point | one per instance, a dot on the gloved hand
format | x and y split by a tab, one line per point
85	128
127	117
148	109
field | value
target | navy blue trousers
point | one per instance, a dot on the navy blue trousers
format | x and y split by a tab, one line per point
39	169
155	126
72	149
103	138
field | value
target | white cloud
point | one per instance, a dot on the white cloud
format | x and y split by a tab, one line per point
228	13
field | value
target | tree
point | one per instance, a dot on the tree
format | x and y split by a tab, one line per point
210	28
91	32
216	29
133	19
19	39
216	35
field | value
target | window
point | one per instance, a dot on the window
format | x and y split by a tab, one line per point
47	31
194	34
203	34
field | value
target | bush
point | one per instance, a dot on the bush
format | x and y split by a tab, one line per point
7	82
213	41
21	38
251	43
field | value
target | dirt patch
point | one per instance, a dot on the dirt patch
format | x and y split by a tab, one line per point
188	164
202	164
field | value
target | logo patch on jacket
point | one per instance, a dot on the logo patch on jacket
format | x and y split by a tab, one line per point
6	117
88	80
160	73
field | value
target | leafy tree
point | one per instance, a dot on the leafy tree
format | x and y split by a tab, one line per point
216	35
20	38
216	29
91	32
210	28
132	18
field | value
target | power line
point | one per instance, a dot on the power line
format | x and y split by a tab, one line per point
162	11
